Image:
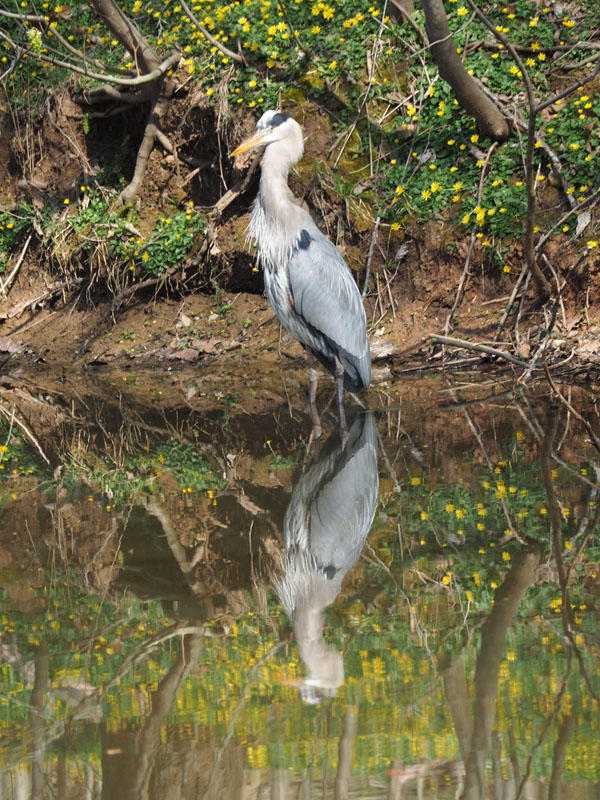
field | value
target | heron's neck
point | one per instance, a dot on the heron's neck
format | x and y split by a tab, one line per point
275	194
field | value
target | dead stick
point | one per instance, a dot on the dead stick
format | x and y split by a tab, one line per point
4	285
12	418
370	256
483	348
464	278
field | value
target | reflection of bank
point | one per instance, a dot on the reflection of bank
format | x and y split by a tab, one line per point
325	526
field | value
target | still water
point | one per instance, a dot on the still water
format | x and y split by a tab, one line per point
207	604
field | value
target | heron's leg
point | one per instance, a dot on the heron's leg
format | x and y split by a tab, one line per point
313	380
339	378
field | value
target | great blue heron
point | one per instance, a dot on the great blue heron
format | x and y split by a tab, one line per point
307	281
325	527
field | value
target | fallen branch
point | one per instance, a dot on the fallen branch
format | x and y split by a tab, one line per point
19	308
482	348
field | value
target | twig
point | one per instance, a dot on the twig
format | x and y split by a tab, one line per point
576	414
370	255
215	42
482	348
371	72
28	434
4	285
283	8
465	273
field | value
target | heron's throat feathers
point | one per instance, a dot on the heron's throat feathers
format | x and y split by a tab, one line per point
276	222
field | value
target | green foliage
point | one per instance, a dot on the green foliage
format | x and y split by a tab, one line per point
12	225
424	152
97	225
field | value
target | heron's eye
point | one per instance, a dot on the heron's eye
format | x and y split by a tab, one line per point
271	128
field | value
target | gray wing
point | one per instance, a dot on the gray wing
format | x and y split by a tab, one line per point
326	296
333	504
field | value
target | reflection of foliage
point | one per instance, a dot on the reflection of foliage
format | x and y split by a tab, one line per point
188	467
475	528
16	458
390	677
425	598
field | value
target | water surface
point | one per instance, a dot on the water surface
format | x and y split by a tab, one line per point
209	604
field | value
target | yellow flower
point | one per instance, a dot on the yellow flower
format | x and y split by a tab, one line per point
462	11
416	481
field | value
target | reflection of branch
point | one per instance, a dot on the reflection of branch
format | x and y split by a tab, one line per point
457	697
185	564
345	746
28	434
556	525
490	467
558	757
163	700
545	729
493	636
36	719
235	713
149	645
576	414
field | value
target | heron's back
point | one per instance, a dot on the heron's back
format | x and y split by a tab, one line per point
317	300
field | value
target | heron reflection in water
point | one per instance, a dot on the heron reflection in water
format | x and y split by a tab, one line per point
325	527
307	281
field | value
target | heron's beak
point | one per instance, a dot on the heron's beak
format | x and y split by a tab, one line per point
250	144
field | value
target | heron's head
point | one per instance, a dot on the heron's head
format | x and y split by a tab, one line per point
274	126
